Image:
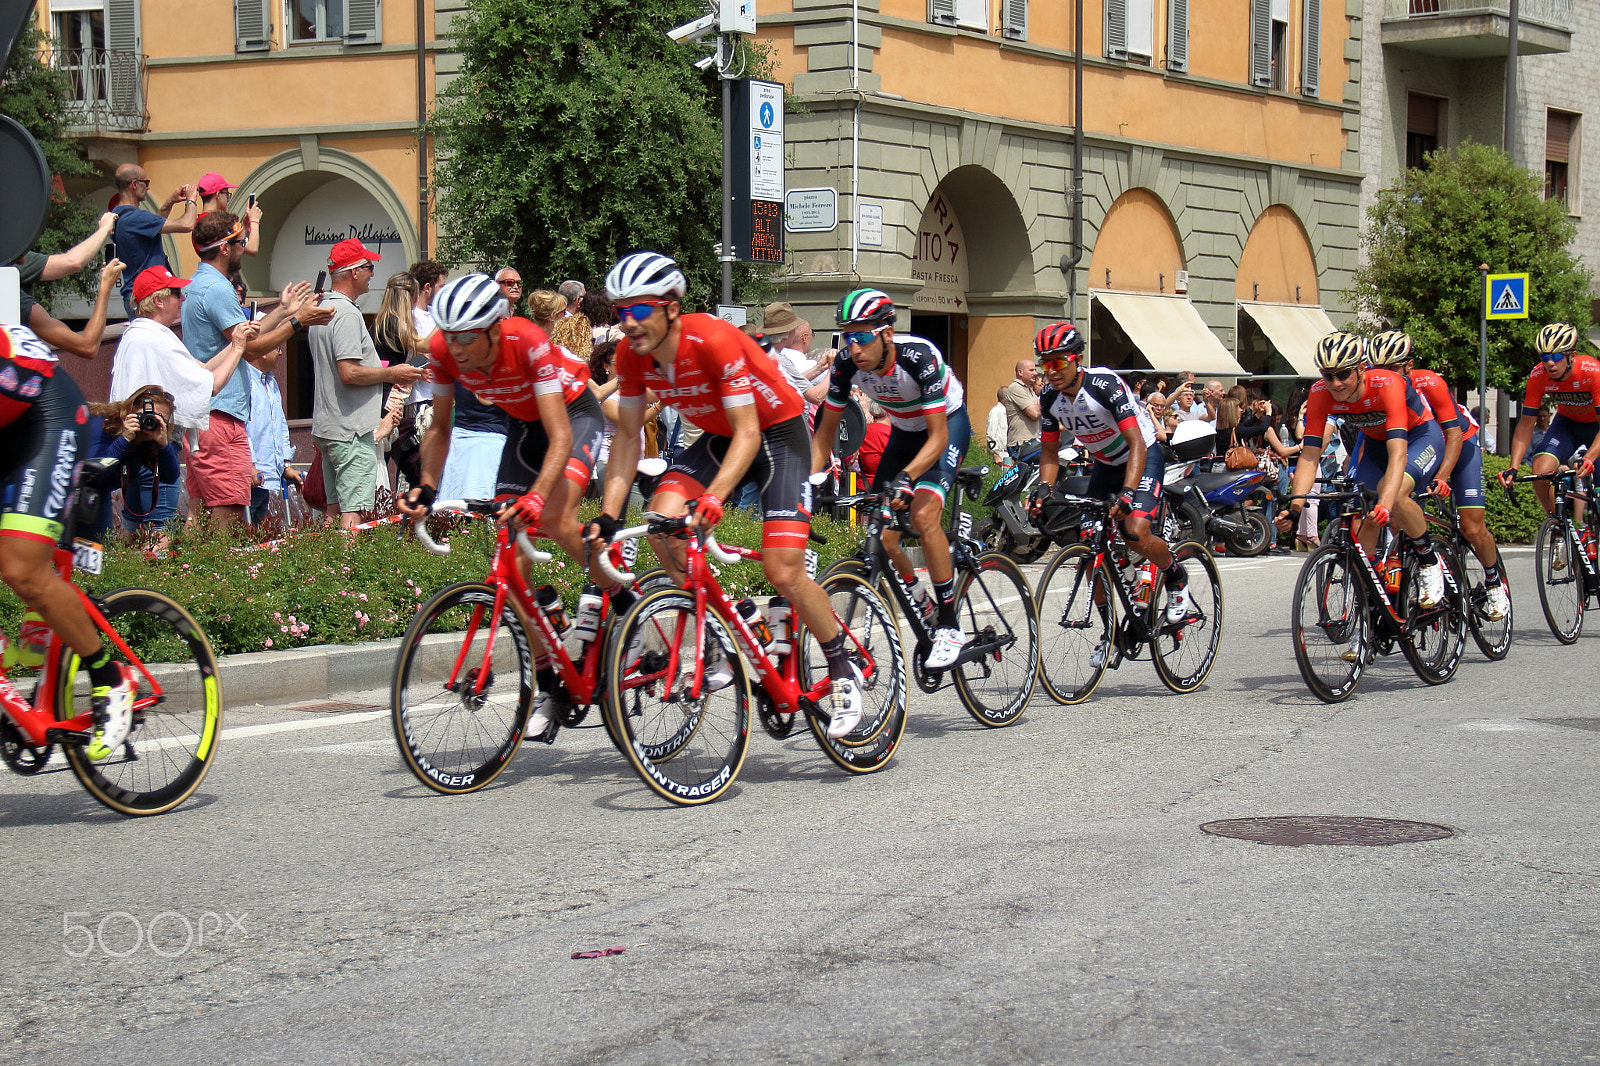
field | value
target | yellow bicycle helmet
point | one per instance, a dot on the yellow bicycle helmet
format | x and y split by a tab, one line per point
1390	348
1557	337
1339	350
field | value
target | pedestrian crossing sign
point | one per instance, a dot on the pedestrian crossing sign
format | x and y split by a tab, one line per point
1507	296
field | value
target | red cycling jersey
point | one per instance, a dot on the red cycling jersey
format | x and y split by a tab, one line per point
526	367
1386	407
717	367
1436	394
1577	395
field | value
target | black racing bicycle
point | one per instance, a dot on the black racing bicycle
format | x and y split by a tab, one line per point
1562	552
1492	636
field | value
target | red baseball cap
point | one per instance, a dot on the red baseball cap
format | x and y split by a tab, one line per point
212	184
350	252
154	279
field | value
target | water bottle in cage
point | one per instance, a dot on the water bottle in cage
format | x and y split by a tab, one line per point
778	622
758	626
549	601
587	625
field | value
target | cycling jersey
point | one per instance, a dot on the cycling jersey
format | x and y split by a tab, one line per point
526	367
1577	395
1436	394
22	371
918	381
780	467
523	455
1385	407
717	367
1103	417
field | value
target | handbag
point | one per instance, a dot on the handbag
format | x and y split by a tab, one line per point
312	490
1239	457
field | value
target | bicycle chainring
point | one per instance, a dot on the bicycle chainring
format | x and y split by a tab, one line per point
570	714
23	758
778	726
929	681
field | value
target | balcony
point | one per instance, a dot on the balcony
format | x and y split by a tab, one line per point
106	93
1477	29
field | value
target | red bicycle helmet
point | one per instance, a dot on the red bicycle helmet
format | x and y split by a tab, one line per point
1058	339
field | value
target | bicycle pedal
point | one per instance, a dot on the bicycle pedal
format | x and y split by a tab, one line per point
76	737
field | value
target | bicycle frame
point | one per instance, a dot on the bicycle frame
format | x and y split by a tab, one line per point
1103	539
1567	493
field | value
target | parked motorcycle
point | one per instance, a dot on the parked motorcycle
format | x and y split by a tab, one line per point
1011	530
1208	506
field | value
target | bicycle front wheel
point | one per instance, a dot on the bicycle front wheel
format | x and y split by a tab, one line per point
175	734
458	719
1000	663
1492	637
1560	576
1074	630
686	748
1185	651
872	637
1433	638
1329	624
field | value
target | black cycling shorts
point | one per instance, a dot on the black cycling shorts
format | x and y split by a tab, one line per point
527	442
39	469
781	467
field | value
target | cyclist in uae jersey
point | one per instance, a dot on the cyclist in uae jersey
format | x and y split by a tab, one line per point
43	429
928	435
1096	409
1401	447
1461	470
719	379
1572	379
553	434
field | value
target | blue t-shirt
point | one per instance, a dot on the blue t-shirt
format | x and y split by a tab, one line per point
138	237
472	413
210	306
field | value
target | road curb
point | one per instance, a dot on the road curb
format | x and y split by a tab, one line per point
310	673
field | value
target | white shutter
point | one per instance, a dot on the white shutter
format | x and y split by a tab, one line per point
1261	43
942	12
1311	68
252	25
1016	19
122	42
1116	29
1178	35
363	22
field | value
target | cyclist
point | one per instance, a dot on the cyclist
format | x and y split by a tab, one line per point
554	436
928	435
1387	410
1461	469
1572	380
1097	409
43	429
720	380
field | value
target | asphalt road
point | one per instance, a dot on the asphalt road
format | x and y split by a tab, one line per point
1036	894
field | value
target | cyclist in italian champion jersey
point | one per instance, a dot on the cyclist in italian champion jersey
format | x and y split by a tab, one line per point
43	429
554	432
1401	450
1096	409
928	435
719	379
1572	379
1461	470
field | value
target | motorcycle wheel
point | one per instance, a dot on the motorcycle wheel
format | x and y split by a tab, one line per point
996	537
1258	541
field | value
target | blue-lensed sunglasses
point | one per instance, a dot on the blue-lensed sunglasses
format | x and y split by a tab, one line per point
640	311
861	338
1555	357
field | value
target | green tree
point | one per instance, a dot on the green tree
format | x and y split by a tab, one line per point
577	133
35	95
1424	240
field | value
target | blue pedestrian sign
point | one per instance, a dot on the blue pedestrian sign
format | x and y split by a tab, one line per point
1507	296
766	115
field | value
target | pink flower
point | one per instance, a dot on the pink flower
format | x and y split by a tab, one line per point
362	596
283	629
268	642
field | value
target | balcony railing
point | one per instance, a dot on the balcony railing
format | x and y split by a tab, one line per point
107	92
1555	14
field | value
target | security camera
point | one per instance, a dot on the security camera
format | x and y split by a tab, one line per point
705	64
693	31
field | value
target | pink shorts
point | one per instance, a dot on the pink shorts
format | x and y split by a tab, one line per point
220	469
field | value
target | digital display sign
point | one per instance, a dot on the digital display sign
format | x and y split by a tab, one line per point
766	231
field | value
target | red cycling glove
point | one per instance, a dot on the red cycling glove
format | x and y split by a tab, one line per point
711	507
1380	515
1441	488
527	510
1585	467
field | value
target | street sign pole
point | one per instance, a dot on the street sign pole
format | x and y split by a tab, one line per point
726	253
1483	354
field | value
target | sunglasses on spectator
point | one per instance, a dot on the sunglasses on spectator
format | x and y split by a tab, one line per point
464	336
512	284
862	338
1339	375
639	311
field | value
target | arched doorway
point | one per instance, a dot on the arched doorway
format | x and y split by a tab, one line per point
1279	318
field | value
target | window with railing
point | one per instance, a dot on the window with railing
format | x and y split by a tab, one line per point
105	84
1556	13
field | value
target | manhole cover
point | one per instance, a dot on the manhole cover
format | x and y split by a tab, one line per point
1592	724
1296	829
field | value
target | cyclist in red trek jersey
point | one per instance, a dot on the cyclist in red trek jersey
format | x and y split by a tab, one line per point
553	436
1402	447
719	379
1572	380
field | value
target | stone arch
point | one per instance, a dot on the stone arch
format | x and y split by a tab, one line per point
999	253
1278	263
1138	247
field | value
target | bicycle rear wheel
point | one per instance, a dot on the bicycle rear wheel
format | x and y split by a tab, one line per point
457	737
1433	638
686	750
174	736
1329	624
1493	638
1072	625
1185	652
994	607
873	637
1560	576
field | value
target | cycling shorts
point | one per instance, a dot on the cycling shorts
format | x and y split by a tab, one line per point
527	442
903	446
1466	480
1564	438
1424	450
1106	482
781	467
39	477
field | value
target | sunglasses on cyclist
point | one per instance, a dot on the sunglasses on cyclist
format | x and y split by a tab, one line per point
1555	357
639	311
862	338
1339	375
1059	362
464	336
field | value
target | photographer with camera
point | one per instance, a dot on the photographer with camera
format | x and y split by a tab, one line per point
138	433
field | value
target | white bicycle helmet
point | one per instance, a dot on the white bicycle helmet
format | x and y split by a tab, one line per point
645	274
472	301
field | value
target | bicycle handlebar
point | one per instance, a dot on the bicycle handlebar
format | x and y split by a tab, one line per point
708	541
419	527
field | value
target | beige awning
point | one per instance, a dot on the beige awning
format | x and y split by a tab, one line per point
1293	329
1169	333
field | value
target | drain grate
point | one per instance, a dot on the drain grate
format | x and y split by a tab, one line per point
335	707
1297	829
1591	724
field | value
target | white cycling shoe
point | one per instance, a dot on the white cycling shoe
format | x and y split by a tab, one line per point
947	645
1497	604
847	704
1432	591
541	718
1180	605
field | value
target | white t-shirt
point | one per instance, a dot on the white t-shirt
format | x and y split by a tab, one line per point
794	365
151	354
422	323
995	430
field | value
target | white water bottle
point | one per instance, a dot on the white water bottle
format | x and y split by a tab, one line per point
587	625
778	614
